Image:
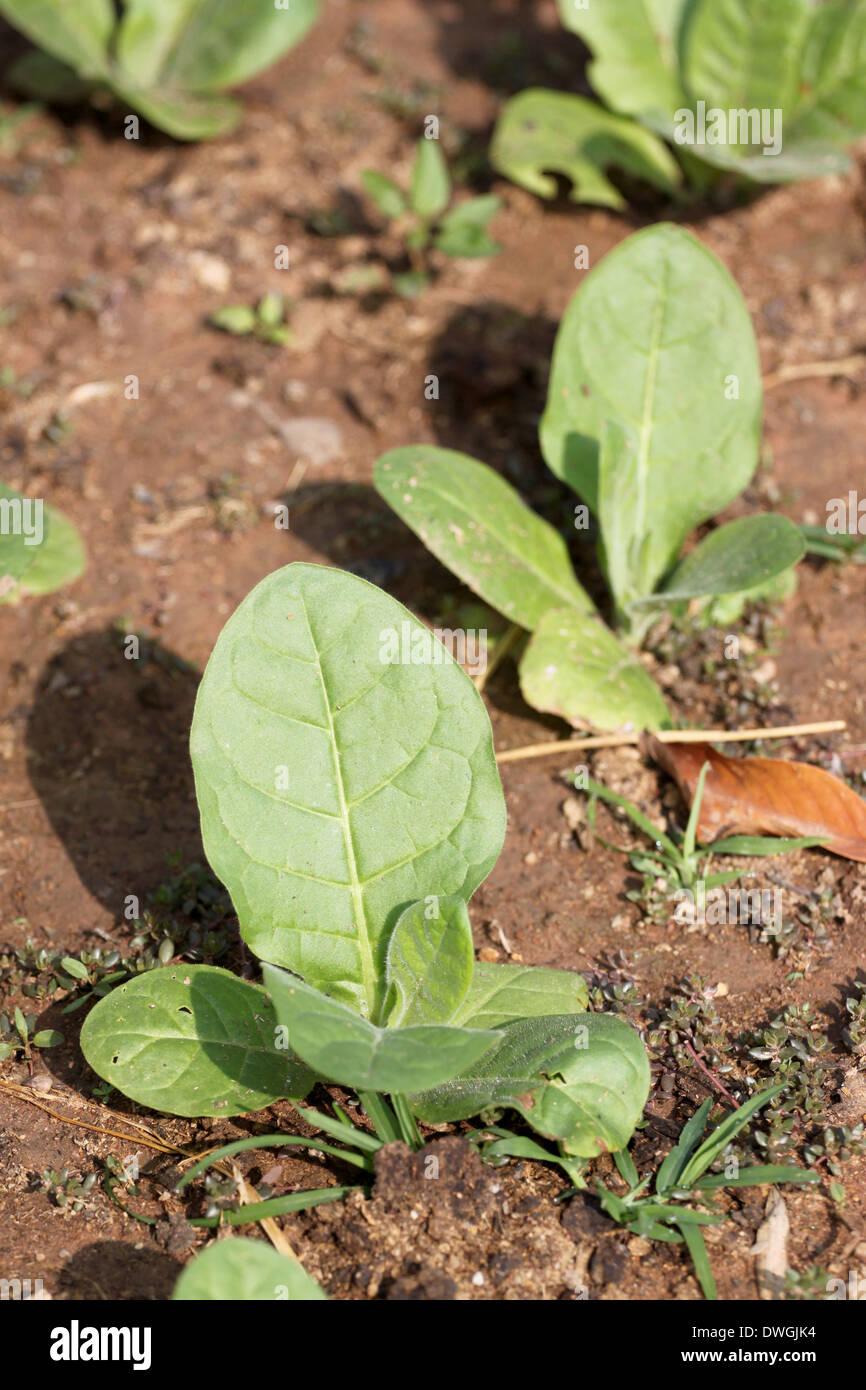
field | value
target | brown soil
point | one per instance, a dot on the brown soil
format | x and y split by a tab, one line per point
114	253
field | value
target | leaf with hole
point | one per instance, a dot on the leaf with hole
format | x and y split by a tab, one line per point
542	133
192	1040
582	1079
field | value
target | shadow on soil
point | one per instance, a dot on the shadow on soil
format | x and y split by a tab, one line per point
111	1270
107	748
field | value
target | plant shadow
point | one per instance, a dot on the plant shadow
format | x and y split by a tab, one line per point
107	752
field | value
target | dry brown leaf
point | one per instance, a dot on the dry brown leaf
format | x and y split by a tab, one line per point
765	796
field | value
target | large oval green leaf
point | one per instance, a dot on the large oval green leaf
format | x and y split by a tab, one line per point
576	668
205	45
634	44
339	777
582	1079
738	54
241	1270
192	1040
658	338
478	526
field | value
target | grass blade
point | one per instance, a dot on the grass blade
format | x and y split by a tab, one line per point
722	1135
675	1163
383	1117
764	844
272	1141
276	1206
755	1176
634	814
697	1248
692	824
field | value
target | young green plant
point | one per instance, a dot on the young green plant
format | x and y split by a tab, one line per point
351	804
681	861
266	321
426	219
684	1177
653	417
768	91
171	62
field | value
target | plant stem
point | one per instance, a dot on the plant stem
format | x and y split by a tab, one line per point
406	1121
709	1075
503	647
569	745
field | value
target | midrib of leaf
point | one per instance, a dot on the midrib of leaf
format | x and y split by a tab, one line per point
368	973
646	423
533	569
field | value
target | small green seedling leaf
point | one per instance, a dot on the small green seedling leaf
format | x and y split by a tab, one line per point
193	1040
478	526
581	1079
25	524
241	1270
385	193
430	185
465	240
429	962
410	283
238	319
472	212
58	561
502	993
573	666
47	1037
541	131
740	555
346	1048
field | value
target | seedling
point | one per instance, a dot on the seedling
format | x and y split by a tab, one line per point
172	64
266	321
68	1190
40	550
685	1177
351	804
17	1035
653	417
661	72
423	218
680	861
